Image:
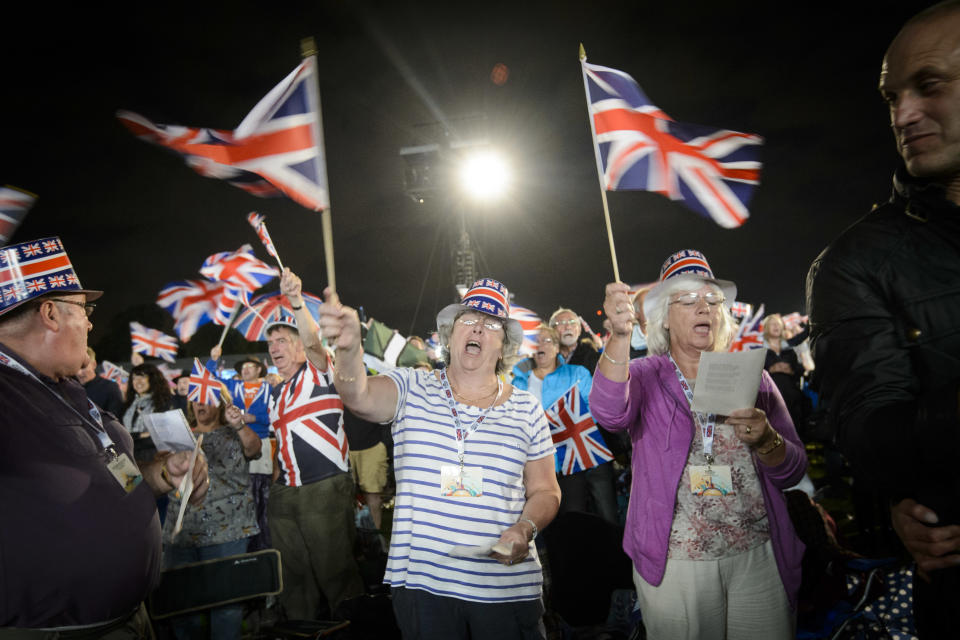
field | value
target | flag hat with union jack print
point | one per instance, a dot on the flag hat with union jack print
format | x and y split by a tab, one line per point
37	268
688	264
486	296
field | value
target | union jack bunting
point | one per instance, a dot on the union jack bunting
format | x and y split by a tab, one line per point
114	372
151	342
259	225
750	333
276	150
712	171
239	269
579	444
193	303
529	321
14	205
204	385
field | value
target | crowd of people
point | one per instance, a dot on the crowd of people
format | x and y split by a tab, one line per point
714	548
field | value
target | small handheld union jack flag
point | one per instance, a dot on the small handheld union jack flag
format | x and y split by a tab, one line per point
114	372
151	342
204	385
579	443
712	171
259	224
750	333
14	205
193	303
239	269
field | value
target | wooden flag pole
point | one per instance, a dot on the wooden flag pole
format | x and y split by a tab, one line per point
308	49
596	154
226	327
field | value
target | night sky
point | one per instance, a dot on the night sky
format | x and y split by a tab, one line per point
133	217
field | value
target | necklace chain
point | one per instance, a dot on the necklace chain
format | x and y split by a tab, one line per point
471	400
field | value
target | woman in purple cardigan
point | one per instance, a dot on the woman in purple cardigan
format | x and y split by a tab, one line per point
714	552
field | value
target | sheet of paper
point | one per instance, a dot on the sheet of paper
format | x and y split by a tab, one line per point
186	487
482	551
728	381
169	431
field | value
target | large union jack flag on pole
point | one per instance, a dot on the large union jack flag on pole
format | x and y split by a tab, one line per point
193	303
239	269
151	342
276	150
204	385
579	443
14	205
712	171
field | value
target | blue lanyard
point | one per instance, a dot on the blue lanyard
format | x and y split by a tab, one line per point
706	421
464	431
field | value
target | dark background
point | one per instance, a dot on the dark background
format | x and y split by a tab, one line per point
133	217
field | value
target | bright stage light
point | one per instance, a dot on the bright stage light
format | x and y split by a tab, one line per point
485	175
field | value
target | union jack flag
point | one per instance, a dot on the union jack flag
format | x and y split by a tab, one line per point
750	333
14	205
793	321
193	303
154	343
114	372
529	321
169	374
712	171
259	225
741	310
579	444
276	150
239	269
204	385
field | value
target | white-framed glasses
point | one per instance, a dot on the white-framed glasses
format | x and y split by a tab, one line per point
690	299
492	325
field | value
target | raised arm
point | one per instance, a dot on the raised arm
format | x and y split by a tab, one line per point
614	360
291	287
373	399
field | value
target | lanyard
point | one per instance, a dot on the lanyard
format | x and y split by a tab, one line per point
706	421
464	431
94	420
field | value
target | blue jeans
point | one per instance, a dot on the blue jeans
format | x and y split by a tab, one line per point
225	622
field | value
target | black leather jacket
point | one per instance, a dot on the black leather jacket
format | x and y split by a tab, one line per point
884	304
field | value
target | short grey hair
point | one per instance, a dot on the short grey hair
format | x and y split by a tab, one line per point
658	337
506	352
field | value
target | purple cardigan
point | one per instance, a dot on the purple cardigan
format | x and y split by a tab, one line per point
651	406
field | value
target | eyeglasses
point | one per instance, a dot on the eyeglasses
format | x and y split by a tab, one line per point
545	341
492	325
88	307
570	322
689	299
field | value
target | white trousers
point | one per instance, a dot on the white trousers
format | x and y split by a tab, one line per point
736	598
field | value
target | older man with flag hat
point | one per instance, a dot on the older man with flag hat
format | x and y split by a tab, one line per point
80	541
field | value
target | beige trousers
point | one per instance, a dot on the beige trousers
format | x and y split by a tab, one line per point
737	598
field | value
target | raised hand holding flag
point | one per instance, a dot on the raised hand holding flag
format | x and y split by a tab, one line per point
204	385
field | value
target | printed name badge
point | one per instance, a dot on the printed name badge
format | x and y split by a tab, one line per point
125	471
461	482
711	480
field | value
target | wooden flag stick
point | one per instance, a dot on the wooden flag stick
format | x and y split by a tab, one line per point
596	154
226	327
308	49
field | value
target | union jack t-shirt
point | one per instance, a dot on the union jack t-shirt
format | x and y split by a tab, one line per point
306	416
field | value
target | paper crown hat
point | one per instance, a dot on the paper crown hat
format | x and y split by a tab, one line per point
30	270
486	296
688	264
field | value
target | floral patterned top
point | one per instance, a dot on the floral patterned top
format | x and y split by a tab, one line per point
227	511
714	527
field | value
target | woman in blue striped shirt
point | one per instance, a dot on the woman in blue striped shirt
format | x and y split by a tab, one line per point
474	469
